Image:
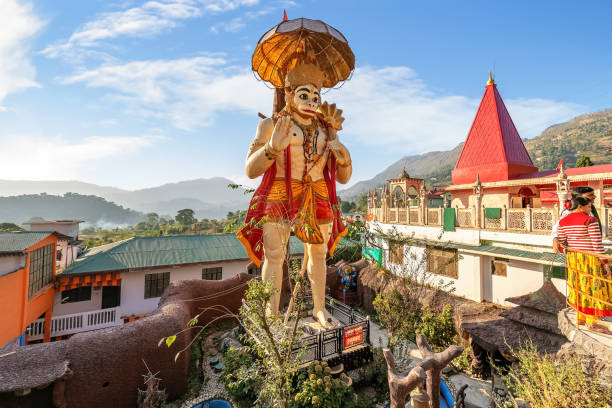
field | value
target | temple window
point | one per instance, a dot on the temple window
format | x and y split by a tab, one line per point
212	273
396	253
155	284
499	267
442	261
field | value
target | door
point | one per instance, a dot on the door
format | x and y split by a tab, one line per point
111	296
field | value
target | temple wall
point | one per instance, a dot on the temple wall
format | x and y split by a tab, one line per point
461	199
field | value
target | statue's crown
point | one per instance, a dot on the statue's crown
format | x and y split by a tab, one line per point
304	74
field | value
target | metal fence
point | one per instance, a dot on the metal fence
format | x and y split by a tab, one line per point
327	344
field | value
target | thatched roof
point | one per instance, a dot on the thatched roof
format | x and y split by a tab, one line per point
35	366
546	299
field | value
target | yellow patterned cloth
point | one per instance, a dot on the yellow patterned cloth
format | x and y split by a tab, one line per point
588	291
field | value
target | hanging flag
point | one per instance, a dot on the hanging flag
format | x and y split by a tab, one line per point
559	165
284	15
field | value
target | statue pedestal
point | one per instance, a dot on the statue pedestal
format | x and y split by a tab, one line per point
313	325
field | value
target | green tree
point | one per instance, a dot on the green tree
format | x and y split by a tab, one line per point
9	226
347	207
362	204
185	217
584	161
153	219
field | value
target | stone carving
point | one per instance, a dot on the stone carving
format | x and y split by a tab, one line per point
542	220
517	220
432	217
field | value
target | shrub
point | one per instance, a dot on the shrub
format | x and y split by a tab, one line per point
549	381
240	375
438	328
316	388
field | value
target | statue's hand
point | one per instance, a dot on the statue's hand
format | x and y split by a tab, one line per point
339	151
280	135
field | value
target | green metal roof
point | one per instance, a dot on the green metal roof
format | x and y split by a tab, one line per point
144	252
19	241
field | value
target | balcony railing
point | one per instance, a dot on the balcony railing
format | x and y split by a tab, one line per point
76	323
523	220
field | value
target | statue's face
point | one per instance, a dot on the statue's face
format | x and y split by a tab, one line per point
306	100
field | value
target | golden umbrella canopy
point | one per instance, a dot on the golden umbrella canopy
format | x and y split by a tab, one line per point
279	50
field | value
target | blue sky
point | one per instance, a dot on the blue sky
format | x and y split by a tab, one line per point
139	93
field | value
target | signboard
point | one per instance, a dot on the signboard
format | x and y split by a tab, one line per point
353	336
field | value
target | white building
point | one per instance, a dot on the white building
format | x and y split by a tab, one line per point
124	280
494	242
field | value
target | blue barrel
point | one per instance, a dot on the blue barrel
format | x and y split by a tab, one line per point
214	403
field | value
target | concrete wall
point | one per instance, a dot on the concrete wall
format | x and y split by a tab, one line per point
69	229
95	303
468	284
133	283
522	278
11	263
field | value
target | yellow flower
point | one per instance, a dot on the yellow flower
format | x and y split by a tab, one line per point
327	370
327	390
297	397
319	382
315	399
318	368
324	363
312	376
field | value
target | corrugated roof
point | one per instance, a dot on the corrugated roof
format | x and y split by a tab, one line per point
143	252
19	241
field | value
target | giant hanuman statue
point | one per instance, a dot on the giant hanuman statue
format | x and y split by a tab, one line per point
299	155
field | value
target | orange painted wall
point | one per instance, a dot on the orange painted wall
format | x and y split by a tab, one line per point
17	312
12	306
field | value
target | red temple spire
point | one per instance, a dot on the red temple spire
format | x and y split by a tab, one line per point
493	148
284	15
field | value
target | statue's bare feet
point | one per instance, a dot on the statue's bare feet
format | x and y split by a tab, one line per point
324	318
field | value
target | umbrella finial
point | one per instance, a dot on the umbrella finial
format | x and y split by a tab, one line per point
285	15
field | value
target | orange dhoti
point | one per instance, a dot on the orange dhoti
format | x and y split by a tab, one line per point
277	207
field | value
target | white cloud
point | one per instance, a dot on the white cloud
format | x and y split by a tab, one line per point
394	109
390	107
151	18
188	92
27	157
18	24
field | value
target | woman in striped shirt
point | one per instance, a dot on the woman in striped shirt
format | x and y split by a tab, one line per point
580	231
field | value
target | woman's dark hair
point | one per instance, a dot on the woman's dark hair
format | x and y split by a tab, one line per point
583	190
577	201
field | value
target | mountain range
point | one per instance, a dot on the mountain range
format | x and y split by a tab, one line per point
587	135
209	198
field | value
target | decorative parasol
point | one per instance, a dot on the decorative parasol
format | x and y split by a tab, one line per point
302	39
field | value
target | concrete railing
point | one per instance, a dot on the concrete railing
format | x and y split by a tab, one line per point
525	220
76	323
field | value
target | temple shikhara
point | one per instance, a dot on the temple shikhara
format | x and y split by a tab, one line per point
493	235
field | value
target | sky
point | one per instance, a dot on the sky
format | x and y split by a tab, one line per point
135	94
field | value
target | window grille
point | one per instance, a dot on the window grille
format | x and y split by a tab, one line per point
41	269
155	284
212	273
